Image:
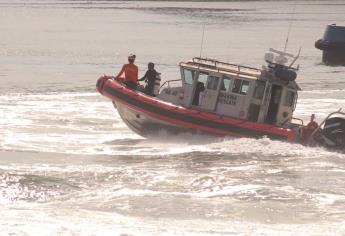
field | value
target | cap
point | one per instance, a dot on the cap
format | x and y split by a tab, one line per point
131	56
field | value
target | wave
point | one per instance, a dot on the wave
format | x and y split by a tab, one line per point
87	124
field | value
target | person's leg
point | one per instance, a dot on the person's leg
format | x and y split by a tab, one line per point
150	88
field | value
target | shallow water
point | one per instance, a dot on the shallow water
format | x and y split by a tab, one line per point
70	166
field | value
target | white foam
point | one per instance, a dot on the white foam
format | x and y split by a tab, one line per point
64	221
86	123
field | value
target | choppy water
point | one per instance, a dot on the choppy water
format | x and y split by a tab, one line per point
70	166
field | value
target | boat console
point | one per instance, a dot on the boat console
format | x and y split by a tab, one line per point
266	95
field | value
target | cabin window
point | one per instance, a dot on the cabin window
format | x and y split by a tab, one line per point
212	82
240	86
289	98
202	77
259	89
188	76
225	84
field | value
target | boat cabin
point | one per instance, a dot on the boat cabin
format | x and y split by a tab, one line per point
268	95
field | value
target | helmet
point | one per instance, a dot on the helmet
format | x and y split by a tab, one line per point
131	56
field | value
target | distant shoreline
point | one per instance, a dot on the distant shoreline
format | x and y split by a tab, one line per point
198	0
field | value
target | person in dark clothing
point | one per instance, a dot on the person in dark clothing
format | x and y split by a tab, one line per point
149	77
200	87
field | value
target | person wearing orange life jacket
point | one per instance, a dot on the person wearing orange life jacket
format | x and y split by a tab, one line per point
312	125
308	130
131	72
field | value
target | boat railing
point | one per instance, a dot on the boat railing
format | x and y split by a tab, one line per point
219	65
298	119
167	83
288	122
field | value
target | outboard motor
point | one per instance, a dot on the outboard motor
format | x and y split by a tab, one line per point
334	132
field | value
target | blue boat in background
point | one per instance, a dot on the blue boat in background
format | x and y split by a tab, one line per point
333	45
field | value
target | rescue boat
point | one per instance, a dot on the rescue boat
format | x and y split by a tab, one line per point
224	99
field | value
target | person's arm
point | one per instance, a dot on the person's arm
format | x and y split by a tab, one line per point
143	78
121	72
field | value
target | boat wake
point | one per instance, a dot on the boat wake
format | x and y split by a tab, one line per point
86	124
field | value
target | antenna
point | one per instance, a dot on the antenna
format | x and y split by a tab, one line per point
288	34
295	59
202	39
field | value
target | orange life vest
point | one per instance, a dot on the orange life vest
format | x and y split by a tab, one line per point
308	130
131	72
